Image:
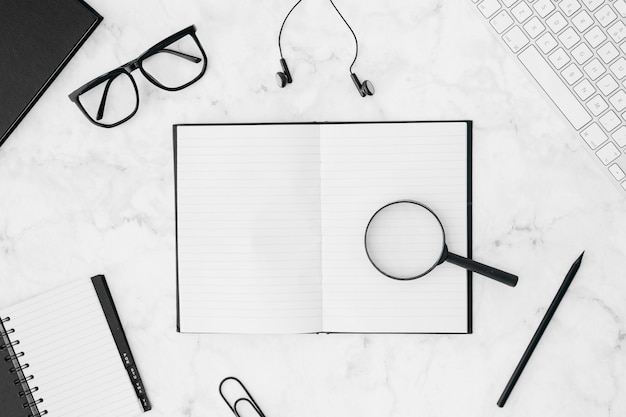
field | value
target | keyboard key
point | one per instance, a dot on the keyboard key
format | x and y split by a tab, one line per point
559	58
489	7
595	36
521	12
624	185
516	39
618	32
582	21
605	15
556	22
502	21
619	68
608	153
619	100
569	38
594	69
543	7
569	6
620	136
582	53
546	42
572	74
593	4
584	89
620	5
617	172
556	89
509	3
594	136
597	105
607	84
534	27
608	52
609	120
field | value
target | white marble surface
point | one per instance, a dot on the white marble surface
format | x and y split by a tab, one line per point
78	200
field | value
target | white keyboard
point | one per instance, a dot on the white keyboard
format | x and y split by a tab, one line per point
576	51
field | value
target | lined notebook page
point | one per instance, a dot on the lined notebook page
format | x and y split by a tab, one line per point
248	228
365	167
72	355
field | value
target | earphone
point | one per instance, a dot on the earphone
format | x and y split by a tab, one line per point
365	88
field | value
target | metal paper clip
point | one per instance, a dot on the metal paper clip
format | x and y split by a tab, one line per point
248	399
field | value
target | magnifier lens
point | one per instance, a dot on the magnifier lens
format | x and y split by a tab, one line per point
404	240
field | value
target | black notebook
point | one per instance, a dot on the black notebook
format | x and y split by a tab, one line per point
37	39
66	355
271	220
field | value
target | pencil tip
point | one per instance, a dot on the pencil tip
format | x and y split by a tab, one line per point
580	258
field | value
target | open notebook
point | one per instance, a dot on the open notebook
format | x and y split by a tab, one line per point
271	221
66	355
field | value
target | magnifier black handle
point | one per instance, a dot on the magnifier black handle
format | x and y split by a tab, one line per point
482	269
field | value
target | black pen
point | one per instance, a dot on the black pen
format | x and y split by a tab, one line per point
542	328
115	325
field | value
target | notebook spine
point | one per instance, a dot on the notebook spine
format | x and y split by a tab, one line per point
17	368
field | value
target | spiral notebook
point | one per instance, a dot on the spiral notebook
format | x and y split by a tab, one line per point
271	220
66	355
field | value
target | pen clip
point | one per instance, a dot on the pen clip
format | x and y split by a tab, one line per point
249	399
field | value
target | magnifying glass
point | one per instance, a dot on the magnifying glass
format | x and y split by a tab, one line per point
405	240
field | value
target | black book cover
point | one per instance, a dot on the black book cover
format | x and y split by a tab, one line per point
37	39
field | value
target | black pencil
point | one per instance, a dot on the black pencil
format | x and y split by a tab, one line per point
542	327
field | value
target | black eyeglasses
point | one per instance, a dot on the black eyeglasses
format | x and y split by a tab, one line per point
172	64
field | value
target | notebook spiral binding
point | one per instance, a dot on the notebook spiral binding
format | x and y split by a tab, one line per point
18	369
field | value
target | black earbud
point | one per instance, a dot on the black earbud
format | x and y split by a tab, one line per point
283	77
366	88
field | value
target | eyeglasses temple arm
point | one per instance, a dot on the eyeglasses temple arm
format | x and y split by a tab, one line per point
104	97
182	55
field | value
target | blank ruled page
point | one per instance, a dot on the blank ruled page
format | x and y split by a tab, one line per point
364	167
248	228
71	353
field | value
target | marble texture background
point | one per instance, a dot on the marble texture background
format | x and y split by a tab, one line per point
78	200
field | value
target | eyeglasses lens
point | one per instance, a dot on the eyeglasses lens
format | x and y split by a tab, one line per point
177	64
112	100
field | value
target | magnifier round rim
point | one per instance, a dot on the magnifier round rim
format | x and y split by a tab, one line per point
443	233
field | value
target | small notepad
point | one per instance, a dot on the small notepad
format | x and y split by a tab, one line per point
68	356
271	221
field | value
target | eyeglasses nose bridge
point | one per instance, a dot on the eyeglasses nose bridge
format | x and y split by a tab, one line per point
131	66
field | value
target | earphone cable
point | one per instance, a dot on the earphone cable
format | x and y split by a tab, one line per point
356	41
283	25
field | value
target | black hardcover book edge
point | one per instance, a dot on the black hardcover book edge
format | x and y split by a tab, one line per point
113	319
469	124
176	223
470	309
98	18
